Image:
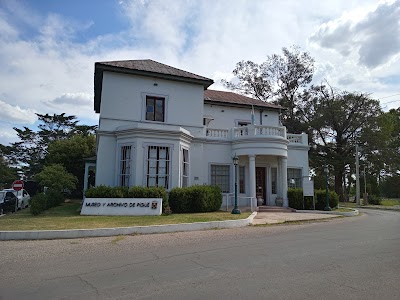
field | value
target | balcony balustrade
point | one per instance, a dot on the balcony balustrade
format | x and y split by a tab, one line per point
255	131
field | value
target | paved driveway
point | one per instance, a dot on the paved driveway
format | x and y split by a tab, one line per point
345	258
280	217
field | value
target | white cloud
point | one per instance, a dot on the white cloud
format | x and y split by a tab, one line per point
76	99
373	35
51	72
15	114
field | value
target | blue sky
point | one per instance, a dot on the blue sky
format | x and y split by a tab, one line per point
49	47
101	16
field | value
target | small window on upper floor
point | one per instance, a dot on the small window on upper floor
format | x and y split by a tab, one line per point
243	123
155	108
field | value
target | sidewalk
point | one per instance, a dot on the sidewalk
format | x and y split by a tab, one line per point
254	219
281	217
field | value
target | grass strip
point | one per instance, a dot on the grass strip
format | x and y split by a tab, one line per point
67	216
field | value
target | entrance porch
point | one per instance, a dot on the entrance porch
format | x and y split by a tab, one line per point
259	177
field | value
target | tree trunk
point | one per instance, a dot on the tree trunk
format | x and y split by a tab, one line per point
339	183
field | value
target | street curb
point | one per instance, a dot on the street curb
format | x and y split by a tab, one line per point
354	212
102	232
381	208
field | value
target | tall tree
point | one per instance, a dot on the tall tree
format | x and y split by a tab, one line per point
30	152
54	127
337	122
278	79
8	173
70	154
381	150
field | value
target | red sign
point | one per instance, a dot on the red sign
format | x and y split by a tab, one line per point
18	185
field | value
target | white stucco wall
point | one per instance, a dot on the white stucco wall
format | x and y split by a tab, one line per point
228	117
298	158
106	160
123	98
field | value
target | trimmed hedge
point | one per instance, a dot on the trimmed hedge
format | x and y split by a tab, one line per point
320	200
195	199
40	202
103	191
374	200
295	197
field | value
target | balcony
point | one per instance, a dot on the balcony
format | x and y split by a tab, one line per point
263	133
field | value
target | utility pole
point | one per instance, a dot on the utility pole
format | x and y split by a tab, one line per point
357	178
365	181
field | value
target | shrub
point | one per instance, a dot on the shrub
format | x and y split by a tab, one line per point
320	199
149	192
195	199
38	204
374	200
103	191
41	202
55	197
297	200
295	197
56	177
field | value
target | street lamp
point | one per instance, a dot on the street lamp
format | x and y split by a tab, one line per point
326	170
235	210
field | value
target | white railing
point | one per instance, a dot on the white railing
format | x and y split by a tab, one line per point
259	130
240	131
256	131
220	133
295	138
270	130
243	202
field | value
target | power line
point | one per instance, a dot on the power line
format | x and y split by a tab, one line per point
388	96
391	101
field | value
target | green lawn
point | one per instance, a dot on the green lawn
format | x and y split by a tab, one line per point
390	202
385	202
342	209
347	204
67	216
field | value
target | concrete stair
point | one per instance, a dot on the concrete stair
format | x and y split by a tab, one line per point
265	208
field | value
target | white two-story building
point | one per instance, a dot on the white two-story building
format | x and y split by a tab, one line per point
162	126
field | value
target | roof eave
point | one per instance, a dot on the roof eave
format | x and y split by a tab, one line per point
242	105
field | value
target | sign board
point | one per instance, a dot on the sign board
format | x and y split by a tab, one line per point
308	187
122	206
17	185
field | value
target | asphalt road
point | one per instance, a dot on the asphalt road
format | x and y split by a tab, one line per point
347	258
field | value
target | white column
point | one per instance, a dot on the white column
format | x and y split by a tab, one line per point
279	178
252	170
85	179
284	182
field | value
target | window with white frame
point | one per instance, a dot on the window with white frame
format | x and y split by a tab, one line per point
155	108
125	159
158	161
294	178
220	176
274	177
242	180
185	167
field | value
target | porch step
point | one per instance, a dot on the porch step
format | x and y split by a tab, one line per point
265	208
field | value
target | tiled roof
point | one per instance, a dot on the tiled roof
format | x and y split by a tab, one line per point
148	65
229	97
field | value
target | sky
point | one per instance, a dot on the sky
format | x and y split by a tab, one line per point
48	47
